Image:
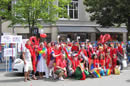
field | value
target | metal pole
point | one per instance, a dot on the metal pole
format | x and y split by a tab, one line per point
0	28
6	64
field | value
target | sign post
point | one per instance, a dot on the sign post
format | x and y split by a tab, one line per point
16	39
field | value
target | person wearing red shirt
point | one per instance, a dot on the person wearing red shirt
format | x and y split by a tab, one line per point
75	47
83	53
55	55
105	47
114	61
49	54
60	68
96	63
114	57
102	65
120	49
108	61
102	61
57	51
49	50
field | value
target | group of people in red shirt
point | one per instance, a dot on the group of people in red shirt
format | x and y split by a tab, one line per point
77	60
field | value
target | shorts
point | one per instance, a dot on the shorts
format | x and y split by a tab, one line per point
58	71
28	67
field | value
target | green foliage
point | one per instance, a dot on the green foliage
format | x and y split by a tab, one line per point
31	13
4	8
109	12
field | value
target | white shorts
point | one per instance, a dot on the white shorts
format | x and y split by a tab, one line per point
28	67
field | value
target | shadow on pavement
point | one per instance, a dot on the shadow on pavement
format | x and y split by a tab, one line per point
128	81
50	80
12	80
14	75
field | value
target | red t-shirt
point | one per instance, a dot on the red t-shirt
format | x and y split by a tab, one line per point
114	62
120	49
107	62
95	62
75	48
102	62
56	52
49	50
112	52
60	63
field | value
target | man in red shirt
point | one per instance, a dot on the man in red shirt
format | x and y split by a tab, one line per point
75	47
60	68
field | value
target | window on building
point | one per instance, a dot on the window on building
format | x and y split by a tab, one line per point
71	11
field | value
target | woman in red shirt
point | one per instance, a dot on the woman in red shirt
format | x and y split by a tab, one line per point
75	47
108	61
102	61
60	68
102	65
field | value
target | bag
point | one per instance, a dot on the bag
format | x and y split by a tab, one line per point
116	71
124	62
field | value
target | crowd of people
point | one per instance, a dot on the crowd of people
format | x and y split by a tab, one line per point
61	60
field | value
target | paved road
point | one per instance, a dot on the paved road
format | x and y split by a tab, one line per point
2	66
13	79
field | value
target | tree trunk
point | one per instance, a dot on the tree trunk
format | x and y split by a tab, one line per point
128	27
0	28
30	31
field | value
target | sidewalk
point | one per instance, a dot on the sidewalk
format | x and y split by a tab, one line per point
13	79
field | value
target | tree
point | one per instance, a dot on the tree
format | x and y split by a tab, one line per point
109	12
4	12
32	12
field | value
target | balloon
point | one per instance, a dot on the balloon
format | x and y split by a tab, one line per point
101	36
107	37
104	38
43	35
34	40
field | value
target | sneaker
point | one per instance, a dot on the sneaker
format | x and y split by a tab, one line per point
25	80
61	78
50	75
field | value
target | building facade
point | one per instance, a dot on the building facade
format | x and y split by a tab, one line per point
78	24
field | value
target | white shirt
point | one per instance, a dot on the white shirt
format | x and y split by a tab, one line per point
27	54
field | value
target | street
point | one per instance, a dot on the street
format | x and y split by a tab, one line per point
13	79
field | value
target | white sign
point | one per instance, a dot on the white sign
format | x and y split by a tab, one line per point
21	46
9	52
6	39
11	39
16	39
